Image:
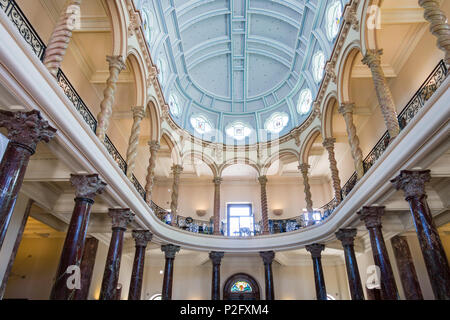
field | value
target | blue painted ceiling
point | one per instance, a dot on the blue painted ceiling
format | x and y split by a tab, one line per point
234	63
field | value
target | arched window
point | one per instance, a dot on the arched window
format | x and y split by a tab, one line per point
238	130
318	65
304	101
157	296
334	16
174	105
201	124
162	67
276	122
241	286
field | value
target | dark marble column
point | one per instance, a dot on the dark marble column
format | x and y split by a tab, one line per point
86	268
169	250
316	254
25	131
374	294
120	219
216	258
413	185
372	219
405	266
347	237
268	257
87	187
141	238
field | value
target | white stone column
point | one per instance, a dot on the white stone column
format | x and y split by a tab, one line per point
176	169
217	181
154	147
133	143
264	210
328	144
304	167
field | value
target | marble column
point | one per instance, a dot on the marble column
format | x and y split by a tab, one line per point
347	237
61	35
25	131
328	144
86	188
216	258
438	25
217	181
267	257
373	60
116	64
86	268
176	170
316	254
154	147
264	211
120	219
372	219
169	250
413	185
304	167
406	269
141	237
133	143
347	112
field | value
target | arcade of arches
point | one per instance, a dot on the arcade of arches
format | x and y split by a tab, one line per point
237	150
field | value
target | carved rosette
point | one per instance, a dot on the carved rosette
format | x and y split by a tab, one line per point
346	236
87	186
373	60
412	183
176	170
121	217
26	128
371	216
141	237
267	256
170	250
347	112
154	148
328	144
315	249
116	64
138	115
216	257
304	168
61	35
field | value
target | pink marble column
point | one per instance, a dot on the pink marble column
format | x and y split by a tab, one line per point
141	237
25	131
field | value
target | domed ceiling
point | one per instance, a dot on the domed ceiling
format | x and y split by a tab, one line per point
240	71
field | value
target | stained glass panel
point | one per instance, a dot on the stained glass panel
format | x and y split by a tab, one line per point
241	286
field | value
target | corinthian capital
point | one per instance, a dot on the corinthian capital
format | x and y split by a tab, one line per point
267	256
412	182
154	146
328	143
304	167
371	216
373	58
138	112
217	180
170	250
315	249
177	169
121	217
346	108
216	257
346	236
142	237
87	185
116	62
262	180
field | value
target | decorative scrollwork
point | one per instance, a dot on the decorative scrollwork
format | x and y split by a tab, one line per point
115	154
138	186
349	185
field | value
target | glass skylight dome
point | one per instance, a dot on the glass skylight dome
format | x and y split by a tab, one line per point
241	68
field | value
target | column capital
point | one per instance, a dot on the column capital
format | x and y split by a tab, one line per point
170	250
177	169
372	58
87	185
267	256
216	257
141	237
328	143
116	62
346	236
154	145
217	180
138	112
121	217
26	128
412	182
345	108
371	216
262	180
315	249
304	167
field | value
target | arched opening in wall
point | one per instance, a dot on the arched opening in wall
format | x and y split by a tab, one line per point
241	286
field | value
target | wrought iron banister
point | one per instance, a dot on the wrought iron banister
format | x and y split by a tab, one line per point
138	187
115	154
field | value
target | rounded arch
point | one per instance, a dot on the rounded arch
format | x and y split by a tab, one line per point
154	118
345	71
250	292
278	156
137	64
202	157
239	160
327	115
175	151
307	144
370	20
119	27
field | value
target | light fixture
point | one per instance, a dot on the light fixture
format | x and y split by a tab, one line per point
200	213
277	212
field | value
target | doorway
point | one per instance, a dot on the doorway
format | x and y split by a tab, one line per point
241	286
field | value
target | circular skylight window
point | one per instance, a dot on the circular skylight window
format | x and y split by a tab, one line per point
174	105
276	122
334	16
162	67
238	130
318	65
201	124
304	101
